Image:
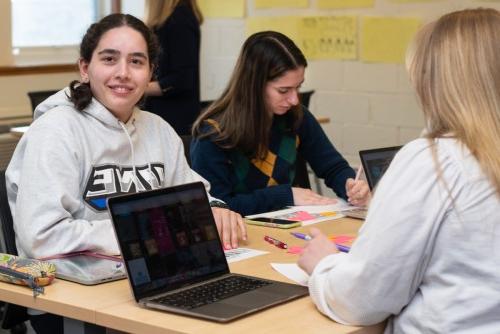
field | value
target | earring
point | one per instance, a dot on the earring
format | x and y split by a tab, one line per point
85	79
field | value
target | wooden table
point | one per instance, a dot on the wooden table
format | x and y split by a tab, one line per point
112	305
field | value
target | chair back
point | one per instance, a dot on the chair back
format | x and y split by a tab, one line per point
13	315
305	97
38	97
204	104
6	221
301	179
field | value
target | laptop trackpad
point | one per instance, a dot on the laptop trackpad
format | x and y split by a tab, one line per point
256	299
241	304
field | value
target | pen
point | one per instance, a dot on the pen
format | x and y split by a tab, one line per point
276	242
358	174
301	235
341	248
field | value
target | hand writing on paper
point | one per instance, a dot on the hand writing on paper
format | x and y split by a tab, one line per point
316	249
358	192
229	225
303	196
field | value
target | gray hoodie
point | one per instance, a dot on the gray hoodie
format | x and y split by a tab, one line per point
69	162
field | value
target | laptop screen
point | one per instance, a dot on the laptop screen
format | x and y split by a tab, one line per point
375	163
168	238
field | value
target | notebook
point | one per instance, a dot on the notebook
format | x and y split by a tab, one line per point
375	162
175	261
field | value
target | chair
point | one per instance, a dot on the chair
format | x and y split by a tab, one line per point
204	104
38	97
301	173
305	97
14	316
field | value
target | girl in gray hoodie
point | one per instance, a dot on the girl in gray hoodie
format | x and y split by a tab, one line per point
90	141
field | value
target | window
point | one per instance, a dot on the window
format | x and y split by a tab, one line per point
49	31
42	23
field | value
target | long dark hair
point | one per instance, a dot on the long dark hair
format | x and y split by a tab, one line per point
241	116
80	92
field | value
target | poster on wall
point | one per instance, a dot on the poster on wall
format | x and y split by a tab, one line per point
319	37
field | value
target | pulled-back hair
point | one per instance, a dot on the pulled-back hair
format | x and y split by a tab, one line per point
455	67
242	117
80	92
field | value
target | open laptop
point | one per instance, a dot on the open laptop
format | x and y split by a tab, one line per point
175	260
375	162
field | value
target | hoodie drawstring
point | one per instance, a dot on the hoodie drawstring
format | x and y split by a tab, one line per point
136	180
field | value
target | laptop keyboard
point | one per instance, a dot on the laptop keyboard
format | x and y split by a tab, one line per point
211	292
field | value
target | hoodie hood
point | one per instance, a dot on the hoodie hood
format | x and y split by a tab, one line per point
94	109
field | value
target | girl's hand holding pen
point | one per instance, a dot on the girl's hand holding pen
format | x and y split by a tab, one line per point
315	250
358	192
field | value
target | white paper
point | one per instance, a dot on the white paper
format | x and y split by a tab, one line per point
292	272
340	206
238	254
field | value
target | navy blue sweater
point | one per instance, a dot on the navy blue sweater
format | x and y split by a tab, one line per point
217	165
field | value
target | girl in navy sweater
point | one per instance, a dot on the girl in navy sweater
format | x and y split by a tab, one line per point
247	142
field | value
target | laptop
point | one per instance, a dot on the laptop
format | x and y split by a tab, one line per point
175	261
375	162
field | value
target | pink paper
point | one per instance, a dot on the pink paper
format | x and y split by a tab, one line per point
303	215
295	250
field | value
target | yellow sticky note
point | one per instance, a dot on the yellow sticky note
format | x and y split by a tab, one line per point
328	213
329	4
385	39
281	3
222	8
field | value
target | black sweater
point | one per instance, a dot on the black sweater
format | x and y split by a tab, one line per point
178	70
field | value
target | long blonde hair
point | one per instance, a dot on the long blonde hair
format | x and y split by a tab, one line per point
454	66
158	11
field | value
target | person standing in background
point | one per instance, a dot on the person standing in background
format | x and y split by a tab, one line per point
174	93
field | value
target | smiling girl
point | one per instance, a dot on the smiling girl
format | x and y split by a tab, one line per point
90	141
